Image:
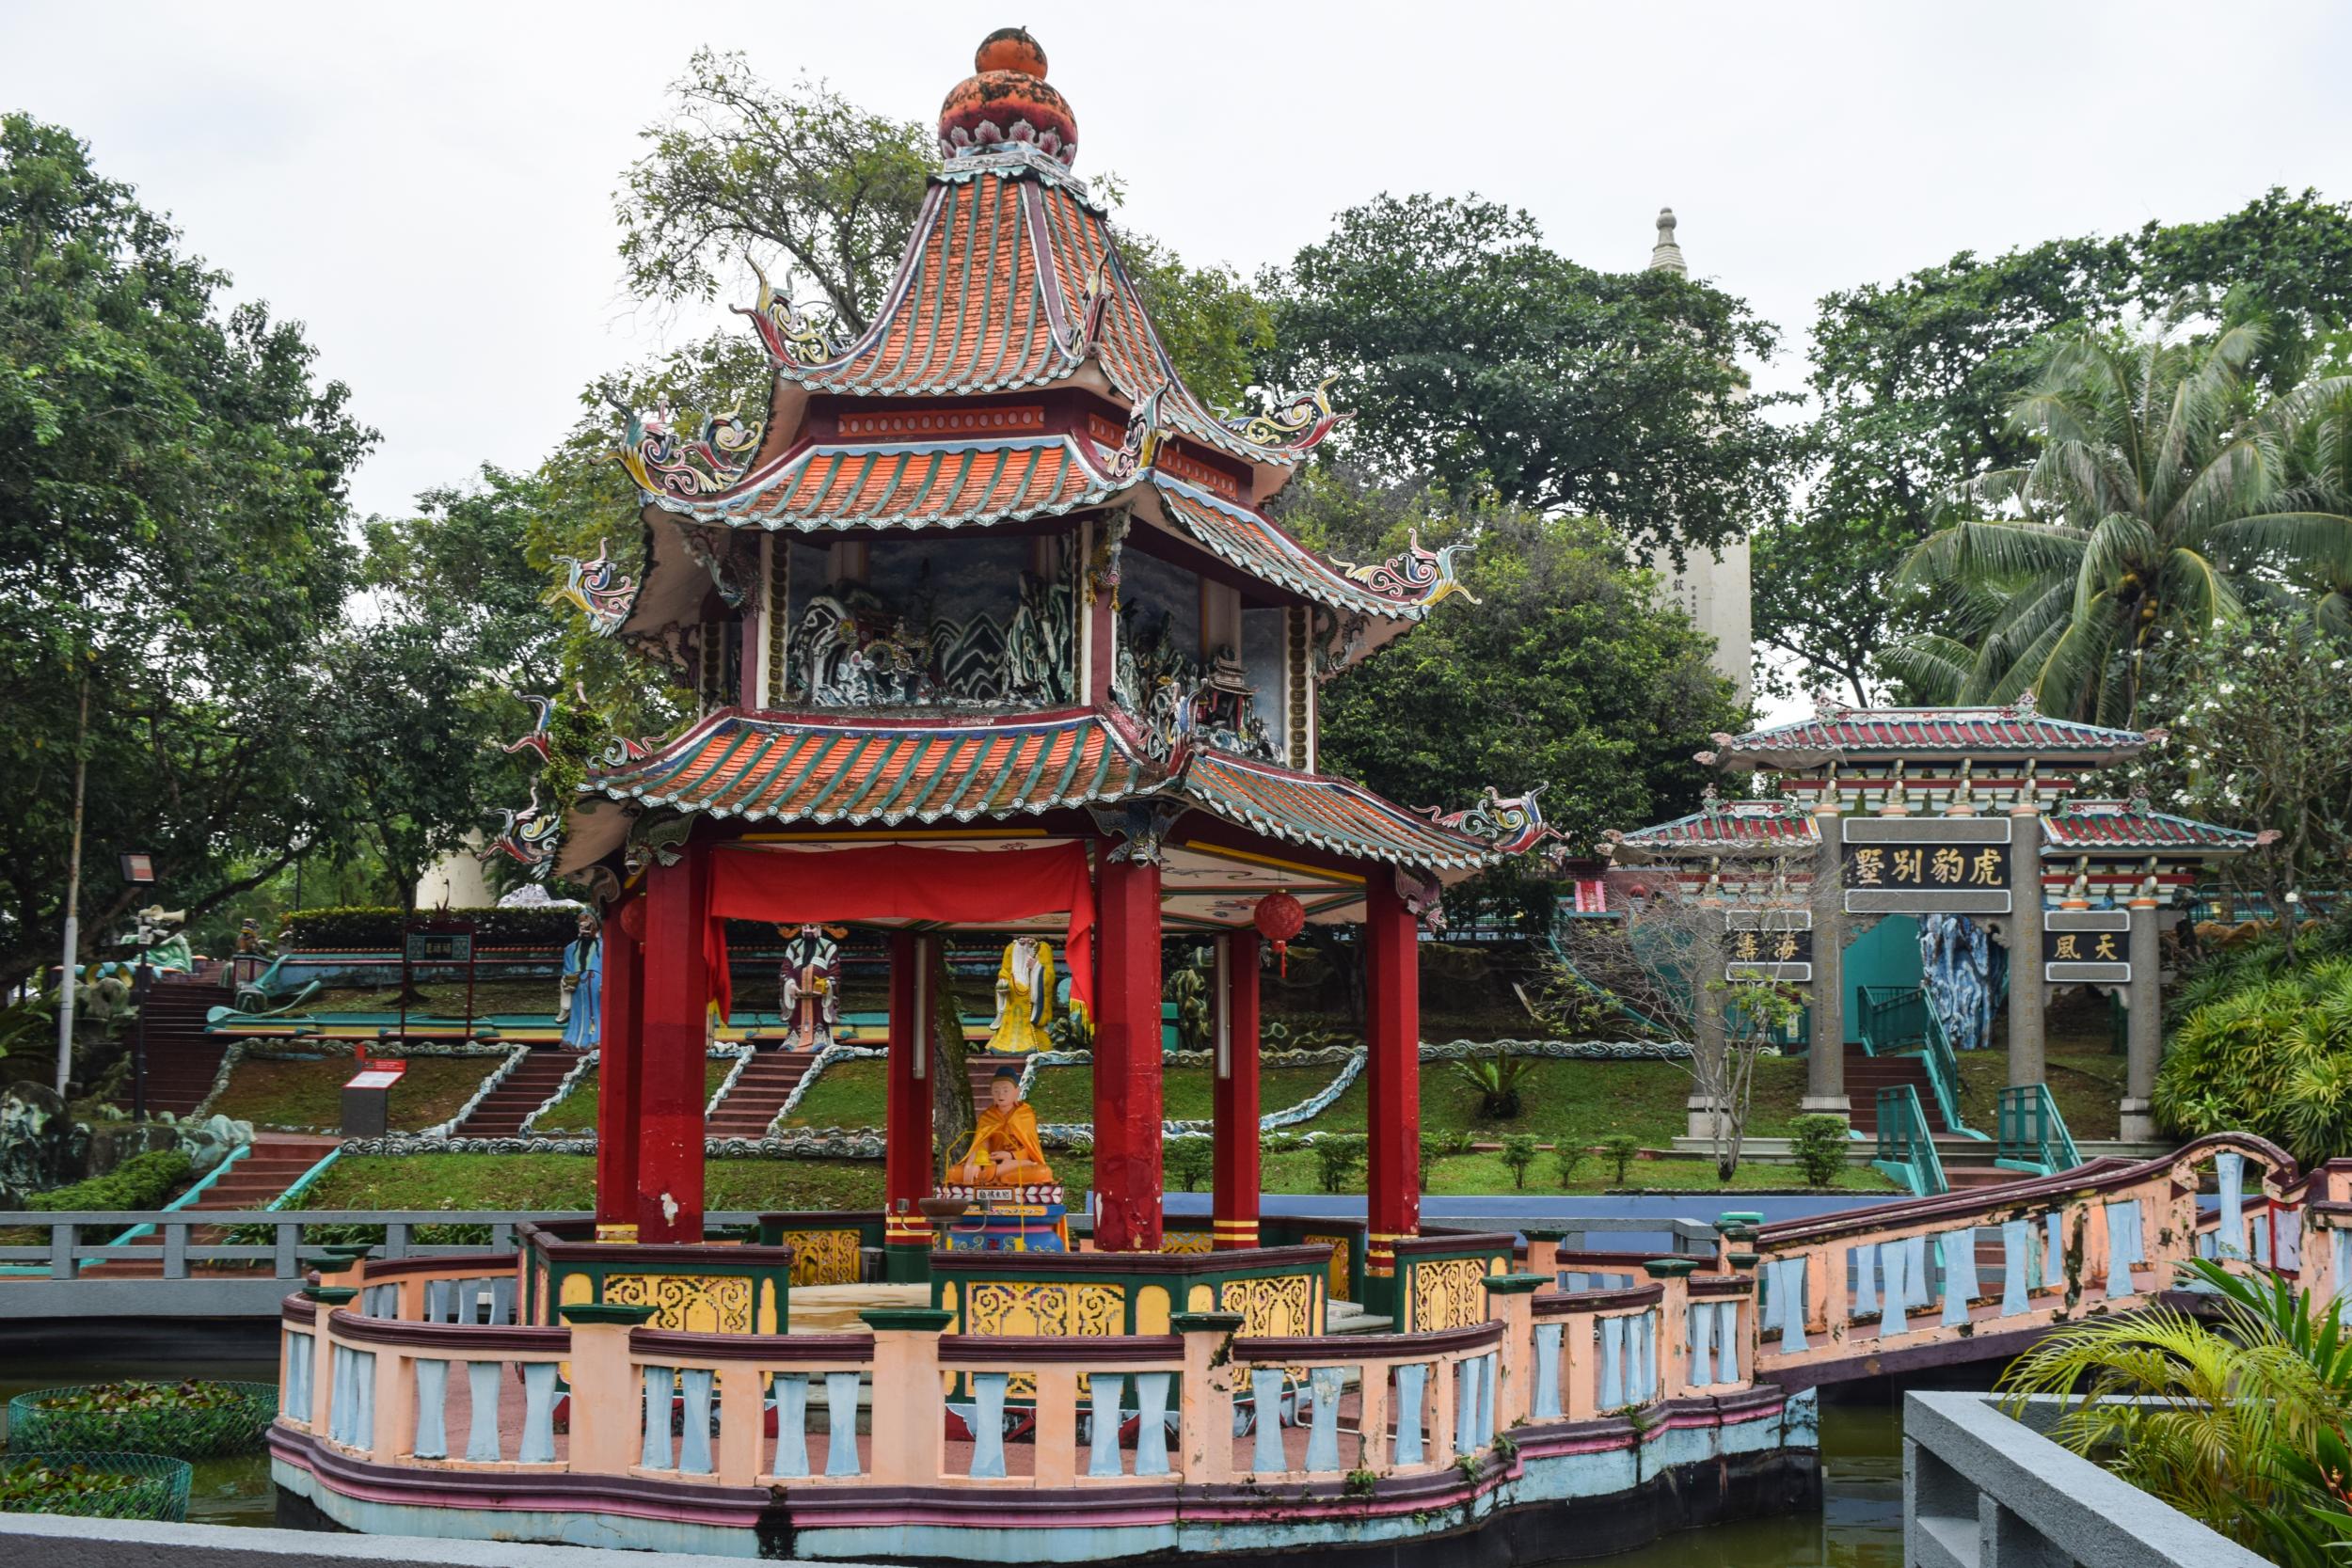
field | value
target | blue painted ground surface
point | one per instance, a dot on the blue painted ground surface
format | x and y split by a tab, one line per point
1556	1209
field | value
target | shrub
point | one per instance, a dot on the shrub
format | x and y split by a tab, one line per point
1819	1145
1620	1149
1433	1148
379	929
1499	1081
142	1182
2273	1057
1566	1159
1336	1159
1189	1159
1519	1152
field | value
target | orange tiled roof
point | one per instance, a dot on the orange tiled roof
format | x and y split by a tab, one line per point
1327	813
943	483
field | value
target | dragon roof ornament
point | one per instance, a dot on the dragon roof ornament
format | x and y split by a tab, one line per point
714	461
793	335
598	587
1294	424
1513	826
1418	577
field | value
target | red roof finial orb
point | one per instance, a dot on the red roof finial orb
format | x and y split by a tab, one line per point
1006	101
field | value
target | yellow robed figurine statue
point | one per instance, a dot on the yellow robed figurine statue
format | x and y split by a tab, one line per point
1025	999
1004	1150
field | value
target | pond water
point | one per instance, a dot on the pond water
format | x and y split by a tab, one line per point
1860	1525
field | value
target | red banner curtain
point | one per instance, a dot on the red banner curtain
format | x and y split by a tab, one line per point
954	887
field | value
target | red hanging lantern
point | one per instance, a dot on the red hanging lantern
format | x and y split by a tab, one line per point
1280	917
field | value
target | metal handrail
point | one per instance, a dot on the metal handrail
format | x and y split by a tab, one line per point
2034	1135
1890	1019
1942	1065
1906	1149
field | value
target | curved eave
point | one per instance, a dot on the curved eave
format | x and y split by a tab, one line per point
1252	543
736	507
1385	832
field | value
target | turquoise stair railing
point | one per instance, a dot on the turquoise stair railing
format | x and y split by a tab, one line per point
1906	1149
1942	1065
2033	1132
1899	1020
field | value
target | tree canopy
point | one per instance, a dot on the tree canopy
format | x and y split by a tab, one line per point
171	511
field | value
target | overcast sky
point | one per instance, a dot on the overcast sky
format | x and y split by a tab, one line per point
428	187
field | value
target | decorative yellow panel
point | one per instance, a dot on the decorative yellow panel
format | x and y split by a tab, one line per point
1283	1306
1066	1308
698	1304
1338	1245
1201	1298
1185	1241
1152	1309
823	1257
1448	1293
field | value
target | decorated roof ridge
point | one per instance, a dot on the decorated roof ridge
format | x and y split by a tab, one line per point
859	769
2073	827
1402	587
1837	728
1339	816
947	480
1753	826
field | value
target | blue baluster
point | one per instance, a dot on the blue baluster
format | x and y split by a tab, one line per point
1611	1363
1489	1369
1546	1405
2053	1265
1959	1273
792	1424
538	1443
1412	1382
482	1430
1102	1459
1701	1316
432	1392
1728	1356
1265	1394
1865	1292
2124	1247
1464	1407
2016	1245
1152	1390
2229	1172
841	1423
1792	1306
654	1452
693	1457
1322	1433
363	1418
988	1424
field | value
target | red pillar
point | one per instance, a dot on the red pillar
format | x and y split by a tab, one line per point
1127	1060
670	1096
1234	1207
1392	1074
907	1115
617	1058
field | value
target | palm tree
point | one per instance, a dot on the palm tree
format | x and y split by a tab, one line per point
2223	1419
2167	493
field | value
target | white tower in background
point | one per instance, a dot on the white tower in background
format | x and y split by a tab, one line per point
1711	587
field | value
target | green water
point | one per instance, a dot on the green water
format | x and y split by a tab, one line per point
222	1491
1860	1524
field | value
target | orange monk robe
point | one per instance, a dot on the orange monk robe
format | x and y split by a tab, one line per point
1009	1132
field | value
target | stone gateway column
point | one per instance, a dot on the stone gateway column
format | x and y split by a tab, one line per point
2145	1041
1825	1056
2025	945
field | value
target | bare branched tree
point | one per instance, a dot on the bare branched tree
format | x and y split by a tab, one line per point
1669	954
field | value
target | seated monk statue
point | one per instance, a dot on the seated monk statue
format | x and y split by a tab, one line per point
1004	1150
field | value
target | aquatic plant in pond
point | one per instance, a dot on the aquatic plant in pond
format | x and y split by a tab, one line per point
191	1420
95	1485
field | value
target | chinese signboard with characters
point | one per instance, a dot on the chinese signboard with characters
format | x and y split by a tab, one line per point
1949	865
1768	944
2086	946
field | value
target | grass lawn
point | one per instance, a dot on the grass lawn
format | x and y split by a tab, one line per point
577	1111
305	1095
1484	1174
2085	1077
444	998
847	1094
1067	1093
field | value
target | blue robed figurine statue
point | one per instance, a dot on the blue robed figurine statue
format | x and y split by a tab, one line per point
579	1004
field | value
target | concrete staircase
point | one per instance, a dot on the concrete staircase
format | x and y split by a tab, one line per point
273	1163
501	1110
181	1059
1967	1162
759	1093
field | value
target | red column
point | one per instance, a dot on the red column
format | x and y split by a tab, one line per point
1127	1060
907	1116
1392	1074
670	1096
617	1059
1234	1209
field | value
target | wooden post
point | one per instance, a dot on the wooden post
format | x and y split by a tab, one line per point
1392	1074
907	1116
1127	1060
1234	1221
619	1053
675	1035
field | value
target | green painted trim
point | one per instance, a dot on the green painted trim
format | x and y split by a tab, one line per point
1514	1284
1547	1232
1669	1268
330	1295
1205	1322
906	1320
607	1312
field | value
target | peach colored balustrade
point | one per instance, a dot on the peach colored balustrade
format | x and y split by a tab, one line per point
384	1391
736	1409
2110	1233
1419	1402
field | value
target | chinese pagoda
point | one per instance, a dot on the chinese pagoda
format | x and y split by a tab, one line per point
991	631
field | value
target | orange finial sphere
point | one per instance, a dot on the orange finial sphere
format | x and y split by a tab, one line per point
1011	49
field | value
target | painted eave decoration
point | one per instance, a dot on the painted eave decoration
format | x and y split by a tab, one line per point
1840	733
1720	828
1340	817
2132	827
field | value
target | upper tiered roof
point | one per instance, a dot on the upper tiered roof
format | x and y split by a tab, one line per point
1839	733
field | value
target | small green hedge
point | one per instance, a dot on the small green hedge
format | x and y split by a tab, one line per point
142	1182
96	1485
379	929
186	1420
